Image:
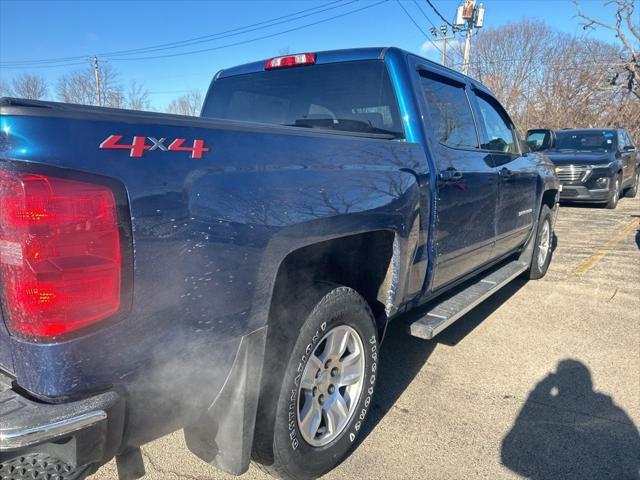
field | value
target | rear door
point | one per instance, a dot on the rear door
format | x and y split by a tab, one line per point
467	183
517	172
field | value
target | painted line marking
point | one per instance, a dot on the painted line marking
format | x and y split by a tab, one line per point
602	251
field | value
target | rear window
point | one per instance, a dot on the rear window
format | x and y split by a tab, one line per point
349	96
588	141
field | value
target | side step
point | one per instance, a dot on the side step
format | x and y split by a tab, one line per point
451	308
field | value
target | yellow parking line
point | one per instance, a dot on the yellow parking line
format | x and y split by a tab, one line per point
601	252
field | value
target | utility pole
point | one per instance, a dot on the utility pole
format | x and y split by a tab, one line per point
468	17
96	69
467	50
443	38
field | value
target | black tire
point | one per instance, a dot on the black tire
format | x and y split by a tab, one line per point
632	191
615	194
280	447
538	268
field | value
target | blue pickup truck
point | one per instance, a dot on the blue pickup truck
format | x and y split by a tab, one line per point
233	275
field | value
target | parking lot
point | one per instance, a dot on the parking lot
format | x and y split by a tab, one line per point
541	381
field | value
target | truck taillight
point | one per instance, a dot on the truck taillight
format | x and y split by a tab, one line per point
291	61
60	261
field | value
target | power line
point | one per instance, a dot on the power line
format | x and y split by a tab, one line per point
45	66
439	14
256	39
424	14
205	38
418	26
241	30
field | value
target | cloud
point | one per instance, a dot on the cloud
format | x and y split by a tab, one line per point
427	47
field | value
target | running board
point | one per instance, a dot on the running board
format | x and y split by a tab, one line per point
443	314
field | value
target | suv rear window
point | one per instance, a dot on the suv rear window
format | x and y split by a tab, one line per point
349	96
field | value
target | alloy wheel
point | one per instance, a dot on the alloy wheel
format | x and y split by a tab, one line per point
544	244
330	386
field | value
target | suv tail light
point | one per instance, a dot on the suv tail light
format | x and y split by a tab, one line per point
60	262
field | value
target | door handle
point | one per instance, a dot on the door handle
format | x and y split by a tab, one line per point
505	172
450	175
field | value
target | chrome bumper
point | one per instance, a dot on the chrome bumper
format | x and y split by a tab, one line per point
32	427
12	438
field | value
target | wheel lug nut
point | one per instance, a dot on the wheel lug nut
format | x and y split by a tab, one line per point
334	371
327	363
321	399
314	391
318	373
332	389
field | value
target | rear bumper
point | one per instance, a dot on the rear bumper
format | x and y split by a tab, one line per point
580	193
73	434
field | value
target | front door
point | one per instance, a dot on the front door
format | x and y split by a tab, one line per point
466	182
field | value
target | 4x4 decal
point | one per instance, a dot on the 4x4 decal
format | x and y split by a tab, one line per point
139	145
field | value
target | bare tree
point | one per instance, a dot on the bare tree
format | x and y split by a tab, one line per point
626	26
25	85
4	89
80	87
507	60
547	78
188	104
137	97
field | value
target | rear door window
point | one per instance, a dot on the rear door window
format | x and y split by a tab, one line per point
449	112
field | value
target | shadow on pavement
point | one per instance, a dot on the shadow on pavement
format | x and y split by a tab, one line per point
568	431
403	356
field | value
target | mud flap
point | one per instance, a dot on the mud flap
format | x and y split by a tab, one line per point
223	435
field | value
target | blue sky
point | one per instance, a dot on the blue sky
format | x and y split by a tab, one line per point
34	30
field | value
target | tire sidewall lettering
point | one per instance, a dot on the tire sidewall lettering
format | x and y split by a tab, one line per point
366	403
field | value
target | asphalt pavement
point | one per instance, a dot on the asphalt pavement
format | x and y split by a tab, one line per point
541	381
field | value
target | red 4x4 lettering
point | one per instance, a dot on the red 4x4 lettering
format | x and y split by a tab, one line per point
196	150
139	145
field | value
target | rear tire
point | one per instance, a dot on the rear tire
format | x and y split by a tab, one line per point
632	191
615	194
327	388
542	250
